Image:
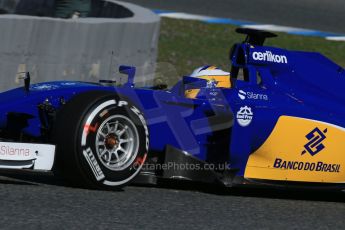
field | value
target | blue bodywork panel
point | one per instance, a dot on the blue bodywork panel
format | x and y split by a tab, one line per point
211	127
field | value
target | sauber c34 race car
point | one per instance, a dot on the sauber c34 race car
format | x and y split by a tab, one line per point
278	120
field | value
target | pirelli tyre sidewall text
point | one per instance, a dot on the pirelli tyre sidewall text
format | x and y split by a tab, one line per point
113	141
105	143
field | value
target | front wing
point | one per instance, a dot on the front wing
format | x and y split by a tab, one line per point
14	155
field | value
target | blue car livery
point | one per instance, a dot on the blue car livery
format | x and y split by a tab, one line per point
279	120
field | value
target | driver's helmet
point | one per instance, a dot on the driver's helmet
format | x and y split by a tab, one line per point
213	75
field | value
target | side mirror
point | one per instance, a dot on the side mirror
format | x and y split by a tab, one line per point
27	80
130	72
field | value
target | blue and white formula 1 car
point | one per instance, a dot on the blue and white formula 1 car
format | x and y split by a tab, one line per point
279	119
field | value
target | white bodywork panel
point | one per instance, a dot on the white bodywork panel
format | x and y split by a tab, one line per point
15	155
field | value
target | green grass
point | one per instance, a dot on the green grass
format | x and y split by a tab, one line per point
185	45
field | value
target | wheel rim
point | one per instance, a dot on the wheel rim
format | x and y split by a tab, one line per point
117	142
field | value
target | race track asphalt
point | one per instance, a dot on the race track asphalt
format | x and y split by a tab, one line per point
324	15
42	202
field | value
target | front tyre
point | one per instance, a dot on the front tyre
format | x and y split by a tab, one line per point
106	141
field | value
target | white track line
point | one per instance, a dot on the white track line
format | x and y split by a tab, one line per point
268	27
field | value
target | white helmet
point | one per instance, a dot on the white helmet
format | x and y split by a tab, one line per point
213	74
210	71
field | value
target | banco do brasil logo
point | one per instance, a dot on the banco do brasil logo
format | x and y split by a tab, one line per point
315	143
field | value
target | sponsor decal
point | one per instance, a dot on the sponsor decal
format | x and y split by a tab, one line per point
315	139
95	168
251	95
122	103
244	116
242	95
306	166
269	57
6	150
314	146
